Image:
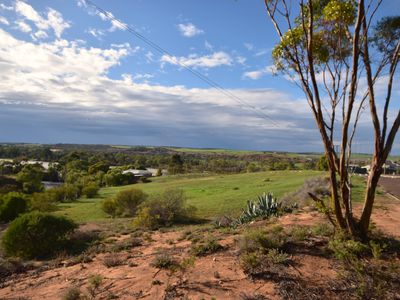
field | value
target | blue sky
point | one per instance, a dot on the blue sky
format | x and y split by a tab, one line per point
68	74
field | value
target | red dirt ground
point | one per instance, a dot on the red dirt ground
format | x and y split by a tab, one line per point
218	275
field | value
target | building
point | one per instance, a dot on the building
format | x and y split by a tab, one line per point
138	173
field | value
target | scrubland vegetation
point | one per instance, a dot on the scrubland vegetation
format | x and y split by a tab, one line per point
253	220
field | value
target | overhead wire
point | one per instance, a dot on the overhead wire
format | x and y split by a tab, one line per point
197	74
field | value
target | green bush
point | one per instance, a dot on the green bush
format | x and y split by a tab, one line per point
347	249
73	293
127	202
64	193
206	247
164	210
11	205
90	190
109	207
42	202
36	235
261	240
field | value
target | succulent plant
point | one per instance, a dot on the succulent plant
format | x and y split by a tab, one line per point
264	206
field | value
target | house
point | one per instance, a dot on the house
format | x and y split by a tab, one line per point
388	168
45	164
357	169
138	173
154	172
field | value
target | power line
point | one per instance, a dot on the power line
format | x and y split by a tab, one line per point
199	75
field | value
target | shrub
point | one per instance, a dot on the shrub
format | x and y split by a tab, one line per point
260	240
277	257
323	229
11	205
207	247
64	193
377	249
73	293
319	187
127	201
36	235
95	282
90	190
299	233
164	261
109	207
42	202
112	261
344	248
164	210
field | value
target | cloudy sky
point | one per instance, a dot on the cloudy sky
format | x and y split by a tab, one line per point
68	74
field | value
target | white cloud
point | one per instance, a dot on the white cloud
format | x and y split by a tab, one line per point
54	19
216	59
208	46
115	23
257	74
63	80
249	46
241	60
5	7
97	33
144	77
4	21
40	34
149	56
22	26
189	30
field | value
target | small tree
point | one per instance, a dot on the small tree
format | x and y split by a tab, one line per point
333	55
12	205
175	165
31	178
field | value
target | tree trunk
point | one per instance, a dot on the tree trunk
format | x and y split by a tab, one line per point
372	183
335	203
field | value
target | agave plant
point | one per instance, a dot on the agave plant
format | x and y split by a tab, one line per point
265	206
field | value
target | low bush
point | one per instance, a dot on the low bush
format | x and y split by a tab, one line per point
43	202
277	257
319	187
323	229
164	261
260	240
206	247
112	260
73	293
345	248
125	203
299	233
65	193
164	210
12	205
90	190
109	207
36	235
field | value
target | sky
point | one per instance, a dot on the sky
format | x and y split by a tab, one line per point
69	74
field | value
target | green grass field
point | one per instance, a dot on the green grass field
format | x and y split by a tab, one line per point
213	195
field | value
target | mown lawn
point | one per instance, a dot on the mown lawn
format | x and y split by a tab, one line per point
213	195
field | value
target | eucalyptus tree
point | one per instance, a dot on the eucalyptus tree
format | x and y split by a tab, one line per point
345	61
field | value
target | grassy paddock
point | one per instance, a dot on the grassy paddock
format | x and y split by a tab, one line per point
213	195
